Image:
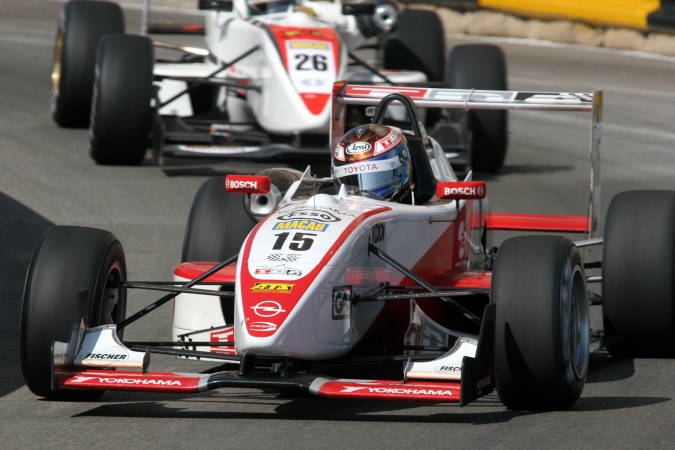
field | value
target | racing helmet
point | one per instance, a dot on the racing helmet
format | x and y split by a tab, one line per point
375	158
259	7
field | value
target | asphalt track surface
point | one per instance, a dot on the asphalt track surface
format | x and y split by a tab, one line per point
47	178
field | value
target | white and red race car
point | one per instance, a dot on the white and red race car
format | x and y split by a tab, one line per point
260	88
319	287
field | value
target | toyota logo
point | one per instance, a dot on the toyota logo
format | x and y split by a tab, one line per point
268	308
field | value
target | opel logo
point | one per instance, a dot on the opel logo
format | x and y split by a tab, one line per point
268	308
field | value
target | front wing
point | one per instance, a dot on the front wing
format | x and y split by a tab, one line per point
115	380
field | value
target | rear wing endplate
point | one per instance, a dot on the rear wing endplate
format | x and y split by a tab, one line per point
351	94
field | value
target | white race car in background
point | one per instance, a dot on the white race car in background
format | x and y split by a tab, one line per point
260	88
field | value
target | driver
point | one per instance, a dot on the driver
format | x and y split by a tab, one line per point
375	158
258	7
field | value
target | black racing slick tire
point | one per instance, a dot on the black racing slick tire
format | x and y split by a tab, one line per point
482	67
121	112
417	43
217	224
638	274
68	261
542	332
81	26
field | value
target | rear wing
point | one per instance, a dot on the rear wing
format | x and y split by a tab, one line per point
346	94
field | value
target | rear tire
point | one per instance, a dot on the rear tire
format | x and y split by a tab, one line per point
638	274
82	24
417	43
121	110
66	261
482	67
217	224
542	323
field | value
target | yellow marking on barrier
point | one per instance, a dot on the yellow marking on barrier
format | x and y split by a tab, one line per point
628	13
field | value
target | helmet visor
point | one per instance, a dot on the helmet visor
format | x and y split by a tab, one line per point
382	176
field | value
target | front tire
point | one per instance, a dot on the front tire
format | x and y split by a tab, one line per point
482	67
121	110
82	24
638	274
217	224
542	323
66	261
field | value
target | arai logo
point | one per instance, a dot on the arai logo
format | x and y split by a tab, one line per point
358	147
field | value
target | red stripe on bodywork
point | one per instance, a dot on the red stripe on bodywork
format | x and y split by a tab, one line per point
381	91
468	280
191	270
391	390
315	102
450	253
535	222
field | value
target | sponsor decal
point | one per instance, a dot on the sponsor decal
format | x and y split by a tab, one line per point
103	356
284	257
562	97
463	238
342	302
339	152
349	389
447	369
268	308
226	335
367	167
137	381
358	147
382	91
484	382
80	379
290	33
377	233
262	326
278	270
313	82
310	225
310	214
314	45
247	184
469	190
111	356
389	141
280	288
400	391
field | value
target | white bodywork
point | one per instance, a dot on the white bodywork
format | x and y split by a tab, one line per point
303	266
